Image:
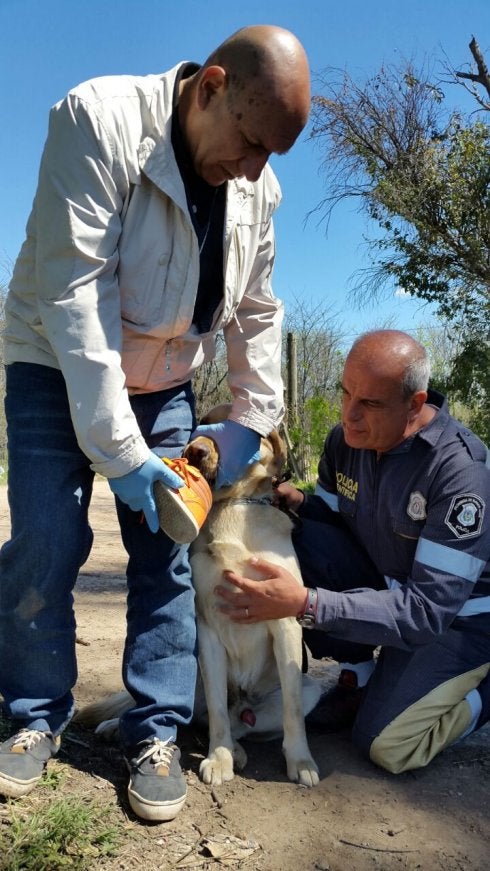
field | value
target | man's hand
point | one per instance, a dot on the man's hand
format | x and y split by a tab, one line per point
238	447
288	498
136	488
278	595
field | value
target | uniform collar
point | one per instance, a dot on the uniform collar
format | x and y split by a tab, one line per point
433	430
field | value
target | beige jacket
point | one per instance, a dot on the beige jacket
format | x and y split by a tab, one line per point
105	283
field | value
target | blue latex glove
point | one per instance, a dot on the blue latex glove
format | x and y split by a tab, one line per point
136	488
238	448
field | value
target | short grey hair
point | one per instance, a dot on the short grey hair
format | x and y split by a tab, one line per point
404	347
416	376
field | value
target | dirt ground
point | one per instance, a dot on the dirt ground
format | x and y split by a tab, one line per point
359	817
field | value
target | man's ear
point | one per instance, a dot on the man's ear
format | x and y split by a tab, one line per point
213	81
417	403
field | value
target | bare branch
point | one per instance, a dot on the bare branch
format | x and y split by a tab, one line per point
482	77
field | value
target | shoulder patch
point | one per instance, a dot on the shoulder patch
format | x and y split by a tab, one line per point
416	506
465	515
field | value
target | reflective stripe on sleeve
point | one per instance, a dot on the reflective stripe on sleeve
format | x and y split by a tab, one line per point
478	605
331	499
447	559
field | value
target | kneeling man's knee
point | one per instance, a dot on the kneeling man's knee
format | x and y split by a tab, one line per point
418	734
395	755
385	749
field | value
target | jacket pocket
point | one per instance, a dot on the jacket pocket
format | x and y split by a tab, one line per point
154	261
406	529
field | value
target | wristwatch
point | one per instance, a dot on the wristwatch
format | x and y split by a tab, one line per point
307	618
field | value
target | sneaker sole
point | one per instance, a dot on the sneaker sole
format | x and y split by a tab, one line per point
154	811
12	788
176	520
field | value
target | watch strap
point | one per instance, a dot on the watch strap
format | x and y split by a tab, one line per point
308	616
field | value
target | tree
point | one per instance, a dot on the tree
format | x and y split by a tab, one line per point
421	172
318	363
210	383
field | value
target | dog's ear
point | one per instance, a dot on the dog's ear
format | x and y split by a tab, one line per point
278	448
217	414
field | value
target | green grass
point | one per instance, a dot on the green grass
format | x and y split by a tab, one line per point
53	833
66	833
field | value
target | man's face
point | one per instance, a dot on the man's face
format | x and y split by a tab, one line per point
235	138
374	414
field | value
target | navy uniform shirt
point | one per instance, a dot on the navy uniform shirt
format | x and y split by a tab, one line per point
420	511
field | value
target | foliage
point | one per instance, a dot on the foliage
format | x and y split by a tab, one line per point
67	833
318	417
470	382
314	408
467	387
210	383
421	172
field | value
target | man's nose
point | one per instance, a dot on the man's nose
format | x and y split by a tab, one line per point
352	410
252	165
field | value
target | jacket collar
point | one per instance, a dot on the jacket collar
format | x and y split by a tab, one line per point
156	155
432	431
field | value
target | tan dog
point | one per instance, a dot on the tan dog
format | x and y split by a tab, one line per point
251	674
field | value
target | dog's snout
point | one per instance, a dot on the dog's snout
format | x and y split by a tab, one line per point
197	452
201	453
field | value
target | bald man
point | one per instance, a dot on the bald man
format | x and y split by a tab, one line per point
394	548
151	231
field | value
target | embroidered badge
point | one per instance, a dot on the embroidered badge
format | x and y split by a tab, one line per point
416	506
465	515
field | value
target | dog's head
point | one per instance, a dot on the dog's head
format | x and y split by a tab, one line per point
202	452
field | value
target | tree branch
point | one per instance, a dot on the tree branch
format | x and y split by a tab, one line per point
482	77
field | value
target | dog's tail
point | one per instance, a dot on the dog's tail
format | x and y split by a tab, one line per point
109	708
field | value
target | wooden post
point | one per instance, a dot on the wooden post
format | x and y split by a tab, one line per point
292	385
292	402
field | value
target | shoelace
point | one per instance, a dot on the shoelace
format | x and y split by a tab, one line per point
182	467
158	753
28	738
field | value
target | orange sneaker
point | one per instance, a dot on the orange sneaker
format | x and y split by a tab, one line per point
182	512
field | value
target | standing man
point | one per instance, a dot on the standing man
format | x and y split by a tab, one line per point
151	230
394	549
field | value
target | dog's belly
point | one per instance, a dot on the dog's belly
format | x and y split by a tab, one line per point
251	666
234	535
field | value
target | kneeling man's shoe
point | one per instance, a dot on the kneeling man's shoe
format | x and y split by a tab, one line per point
23	758
337	708
157	789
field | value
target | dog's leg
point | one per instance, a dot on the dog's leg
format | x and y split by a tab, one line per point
287	650
218	766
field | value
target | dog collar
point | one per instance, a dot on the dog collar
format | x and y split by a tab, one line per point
255	500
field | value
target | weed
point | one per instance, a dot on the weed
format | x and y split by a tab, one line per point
68	833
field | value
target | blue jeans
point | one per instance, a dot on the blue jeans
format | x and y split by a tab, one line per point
49	490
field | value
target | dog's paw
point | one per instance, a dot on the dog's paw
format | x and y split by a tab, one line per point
303	771
218	767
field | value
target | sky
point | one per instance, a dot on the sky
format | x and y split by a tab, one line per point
49	46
